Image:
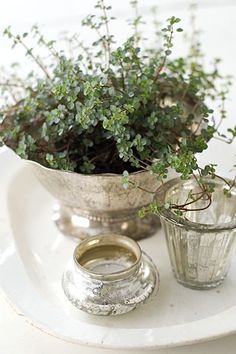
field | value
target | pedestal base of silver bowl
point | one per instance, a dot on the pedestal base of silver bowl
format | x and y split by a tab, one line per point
83	223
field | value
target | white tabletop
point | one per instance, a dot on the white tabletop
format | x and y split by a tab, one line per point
217	20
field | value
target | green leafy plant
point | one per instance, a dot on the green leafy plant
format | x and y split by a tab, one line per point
111	108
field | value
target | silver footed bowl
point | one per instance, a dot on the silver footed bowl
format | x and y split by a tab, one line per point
88	205
109	275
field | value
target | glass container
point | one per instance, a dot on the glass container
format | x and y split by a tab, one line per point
109	275
201	242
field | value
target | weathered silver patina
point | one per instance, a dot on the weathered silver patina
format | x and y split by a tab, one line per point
93	204
109	275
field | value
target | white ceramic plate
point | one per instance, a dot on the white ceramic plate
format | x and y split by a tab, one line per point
32	258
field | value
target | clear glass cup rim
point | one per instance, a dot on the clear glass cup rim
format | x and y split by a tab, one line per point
114	240
178	220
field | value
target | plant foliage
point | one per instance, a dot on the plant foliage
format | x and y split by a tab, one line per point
111	108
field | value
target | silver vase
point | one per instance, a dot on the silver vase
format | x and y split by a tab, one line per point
88	205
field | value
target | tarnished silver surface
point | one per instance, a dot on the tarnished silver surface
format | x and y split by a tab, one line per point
202	242
92	204
109	275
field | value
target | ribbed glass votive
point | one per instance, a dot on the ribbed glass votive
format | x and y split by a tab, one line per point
200	243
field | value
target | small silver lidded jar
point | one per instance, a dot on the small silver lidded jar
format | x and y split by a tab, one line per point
109	275
202	242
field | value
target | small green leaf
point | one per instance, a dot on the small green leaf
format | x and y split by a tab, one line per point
168	52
